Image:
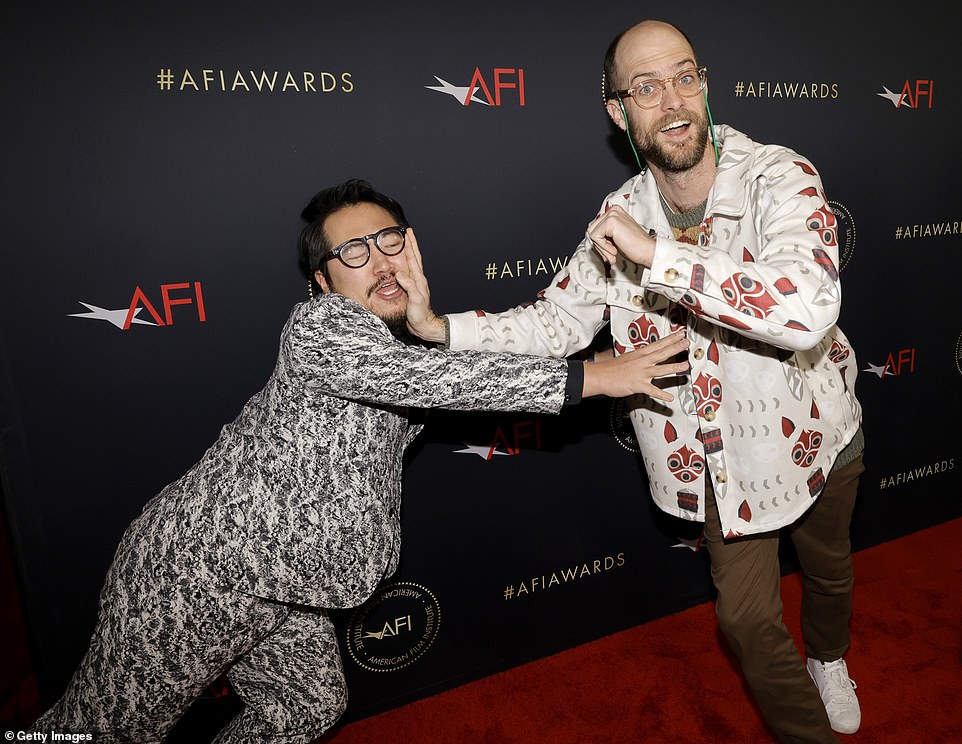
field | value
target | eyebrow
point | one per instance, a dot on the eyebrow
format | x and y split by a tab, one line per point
687	62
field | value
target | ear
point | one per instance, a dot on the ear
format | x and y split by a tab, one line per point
322	281
617	114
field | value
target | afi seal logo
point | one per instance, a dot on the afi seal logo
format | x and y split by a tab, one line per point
621	426
958	354
393	628
845	227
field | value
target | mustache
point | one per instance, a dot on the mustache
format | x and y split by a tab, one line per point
380	283
672	118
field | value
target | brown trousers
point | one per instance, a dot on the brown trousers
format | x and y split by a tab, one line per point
747	575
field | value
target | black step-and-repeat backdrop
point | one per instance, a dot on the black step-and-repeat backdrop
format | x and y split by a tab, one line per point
157	156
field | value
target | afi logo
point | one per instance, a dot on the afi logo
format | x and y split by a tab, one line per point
180	293
480	88
912	95
511	439
391	629
898	363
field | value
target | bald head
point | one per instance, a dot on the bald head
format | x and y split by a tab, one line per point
641	51
666	116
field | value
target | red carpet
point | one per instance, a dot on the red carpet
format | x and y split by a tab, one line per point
673	680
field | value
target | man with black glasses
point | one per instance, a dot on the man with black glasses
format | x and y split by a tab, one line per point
295	507
735	243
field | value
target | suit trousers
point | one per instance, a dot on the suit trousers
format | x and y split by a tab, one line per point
747	575
167	630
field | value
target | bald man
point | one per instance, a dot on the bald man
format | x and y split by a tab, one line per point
735	243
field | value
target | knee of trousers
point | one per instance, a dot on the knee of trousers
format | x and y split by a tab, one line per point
336	708
751	626
313	710
825	586
300	723
320	716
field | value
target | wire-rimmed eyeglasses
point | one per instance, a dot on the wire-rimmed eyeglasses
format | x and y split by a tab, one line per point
648	93
357	251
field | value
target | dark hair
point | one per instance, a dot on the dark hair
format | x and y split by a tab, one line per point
610	72
313	242
608	76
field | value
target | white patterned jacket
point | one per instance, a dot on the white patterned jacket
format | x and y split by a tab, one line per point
769	402
299	498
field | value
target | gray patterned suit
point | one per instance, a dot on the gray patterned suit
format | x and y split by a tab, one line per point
294	508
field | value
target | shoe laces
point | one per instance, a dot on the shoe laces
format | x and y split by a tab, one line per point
841	687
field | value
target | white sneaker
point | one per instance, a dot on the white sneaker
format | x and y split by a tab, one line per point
838	693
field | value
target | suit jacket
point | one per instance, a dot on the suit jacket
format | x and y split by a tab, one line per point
298	500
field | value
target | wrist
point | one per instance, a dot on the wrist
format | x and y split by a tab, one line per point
445	331
435	330
592	383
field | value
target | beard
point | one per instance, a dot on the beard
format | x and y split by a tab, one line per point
396	323
673	158
395	320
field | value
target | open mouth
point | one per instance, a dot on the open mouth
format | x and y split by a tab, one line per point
676	128
388	290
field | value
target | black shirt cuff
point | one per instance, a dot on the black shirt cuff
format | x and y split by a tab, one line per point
576	382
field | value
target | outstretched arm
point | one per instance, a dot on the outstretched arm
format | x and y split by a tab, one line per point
635	371
629	374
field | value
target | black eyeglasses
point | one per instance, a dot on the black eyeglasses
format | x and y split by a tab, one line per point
648	93
357	251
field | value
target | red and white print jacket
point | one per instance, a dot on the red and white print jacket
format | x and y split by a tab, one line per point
769	401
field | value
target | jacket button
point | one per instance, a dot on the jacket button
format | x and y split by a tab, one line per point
637	300
699	353
721	476
709	415
671	275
